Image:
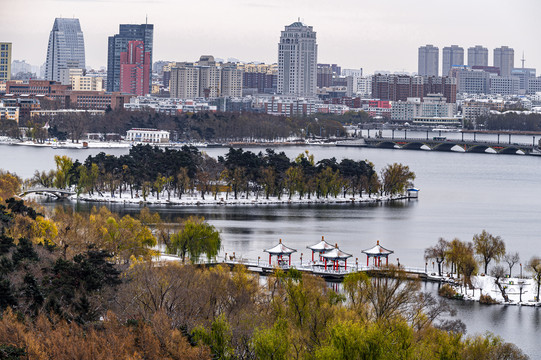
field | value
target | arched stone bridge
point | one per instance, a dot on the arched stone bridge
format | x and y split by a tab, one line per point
59	193
448	145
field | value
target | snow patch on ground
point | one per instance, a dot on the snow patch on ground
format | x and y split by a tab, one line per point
223	199
486	285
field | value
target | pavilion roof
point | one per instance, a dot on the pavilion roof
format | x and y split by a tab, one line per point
336	254
321	246
280	249
377	250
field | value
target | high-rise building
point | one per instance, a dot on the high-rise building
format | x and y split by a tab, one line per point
504	58
5	61
135	69
231	82
184	83
428	60
324	75
119	43
477	56
452	55
209	77
297	60
66	48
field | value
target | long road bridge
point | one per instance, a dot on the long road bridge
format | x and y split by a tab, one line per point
444	144
58	193
441	143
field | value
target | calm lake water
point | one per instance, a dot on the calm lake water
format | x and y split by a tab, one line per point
461	194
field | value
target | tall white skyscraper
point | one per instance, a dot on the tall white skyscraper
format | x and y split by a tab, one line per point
66	48
428	60
477	56
504	58
297	60
452	55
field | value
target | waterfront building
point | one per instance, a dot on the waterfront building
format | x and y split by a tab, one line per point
135	69
428	62
431	106
117	44
451	56
477	56
66	48
5	61
148	135
504	58
297	60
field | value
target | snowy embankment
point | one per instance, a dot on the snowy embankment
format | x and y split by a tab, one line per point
72	145
222	199
515	289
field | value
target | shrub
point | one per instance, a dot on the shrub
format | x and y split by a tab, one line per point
487	299
447	291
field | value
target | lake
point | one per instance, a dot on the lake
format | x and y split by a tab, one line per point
461	194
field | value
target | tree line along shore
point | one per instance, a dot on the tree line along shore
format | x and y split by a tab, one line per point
162	173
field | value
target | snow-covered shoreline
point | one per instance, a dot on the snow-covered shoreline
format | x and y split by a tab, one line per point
222	199
486	285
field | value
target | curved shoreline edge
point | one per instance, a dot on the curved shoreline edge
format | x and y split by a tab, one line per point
222	201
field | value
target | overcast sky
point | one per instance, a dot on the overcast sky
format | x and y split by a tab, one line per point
374	35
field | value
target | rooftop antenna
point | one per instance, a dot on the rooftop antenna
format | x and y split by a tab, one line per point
523	60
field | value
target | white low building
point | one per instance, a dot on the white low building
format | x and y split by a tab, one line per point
147	136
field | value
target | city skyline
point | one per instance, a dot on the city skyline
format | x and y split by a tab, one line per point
353	34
